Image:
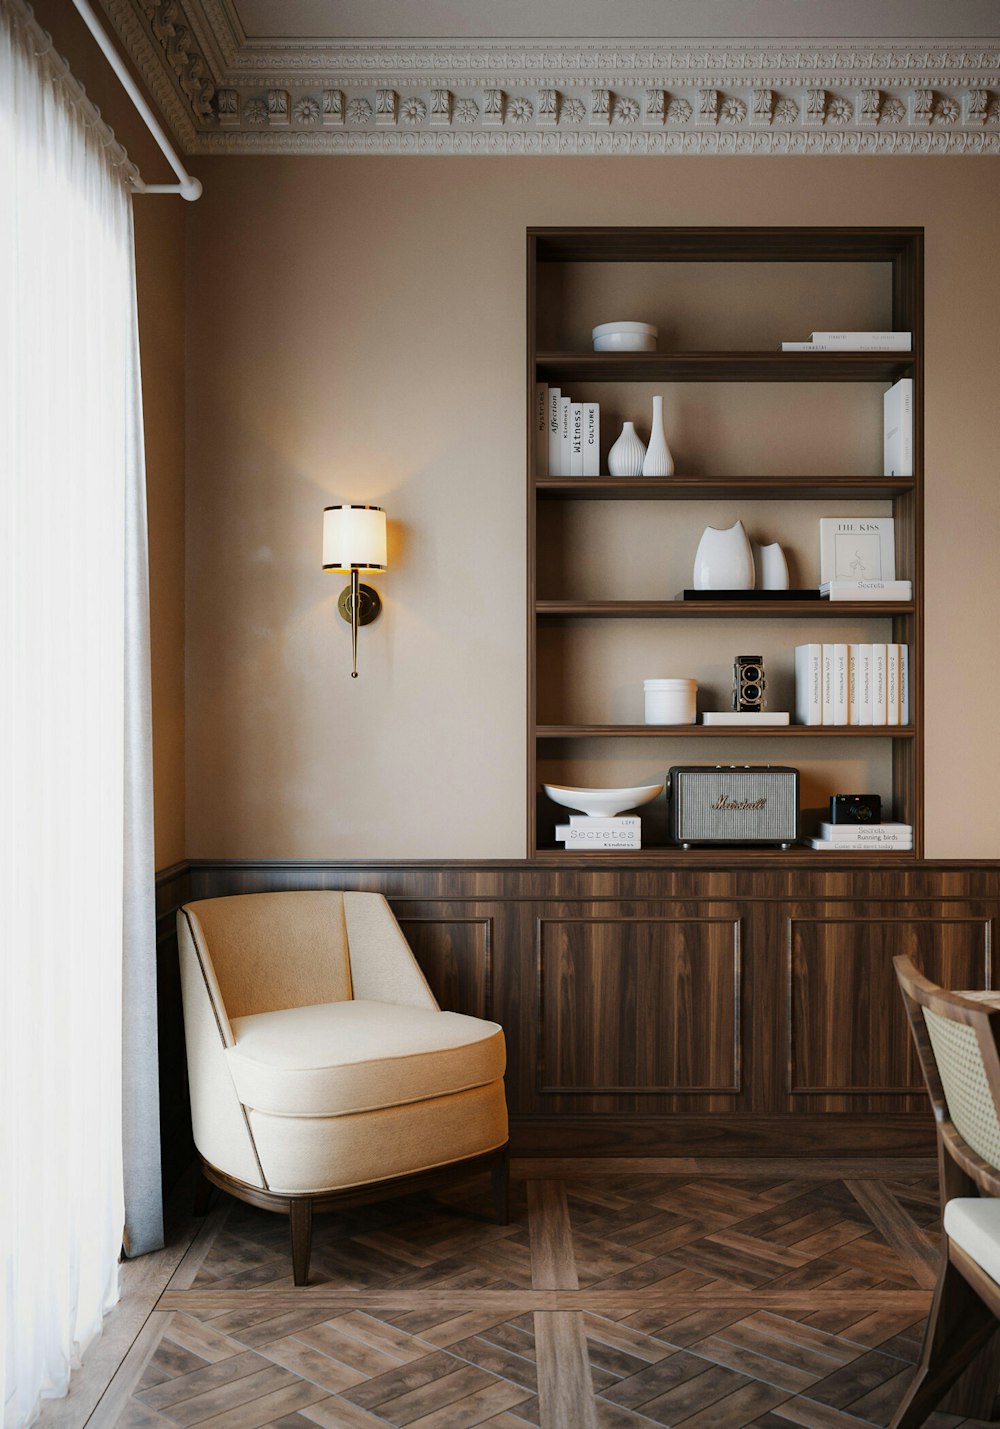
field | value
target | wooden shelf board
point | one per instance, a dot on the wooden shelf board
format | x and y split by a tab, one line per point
725	366
604	244
707	488
715	731
727	609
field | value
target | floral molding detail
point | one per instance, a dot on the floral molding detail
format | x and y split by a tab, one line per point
222	95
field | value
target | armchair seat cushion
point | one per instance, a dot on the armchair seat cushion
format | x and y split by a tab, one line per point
973	1223
338	1058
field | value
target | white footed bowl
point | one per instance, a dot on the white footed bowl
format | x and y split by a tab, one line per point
602	803
624	337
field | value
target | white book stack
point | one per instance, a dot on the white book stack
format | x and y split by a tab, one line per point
853	342
852	684
866	590
571	442
589	831
873	838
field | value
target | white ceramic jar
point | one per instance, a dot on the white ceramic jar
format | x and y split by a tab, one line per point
671	701
624	337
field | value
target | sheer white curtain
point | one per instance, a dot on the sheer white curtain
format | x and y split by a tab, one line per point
70	454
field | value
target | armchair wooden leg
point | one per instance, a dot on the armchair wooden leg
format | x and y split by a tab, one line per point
959	1326
202	1194
500	1178
300	1214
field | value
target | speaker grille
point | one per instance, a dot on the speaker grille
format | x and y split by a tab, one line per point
707	805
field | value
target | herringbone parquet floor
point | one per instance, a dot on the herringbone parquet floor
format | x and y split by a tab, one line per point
699	1294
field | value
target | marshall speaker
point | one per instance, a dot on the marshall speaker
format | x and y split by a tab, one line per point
733	804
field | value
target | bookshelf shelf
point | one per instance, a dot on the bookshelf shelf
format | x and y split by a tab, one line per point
738	488
723	366
720	609
717	731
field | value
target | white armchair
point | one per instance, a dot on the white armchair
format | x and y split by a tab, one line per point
322	1071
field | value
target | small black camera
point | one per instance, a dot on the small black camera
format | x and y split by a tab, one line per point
749	683
856	809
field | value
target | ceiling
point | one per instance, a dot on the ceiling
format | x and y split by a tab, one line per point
419	77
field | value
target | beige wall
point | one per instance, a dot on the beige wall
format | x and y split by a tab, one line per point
356	332
159	241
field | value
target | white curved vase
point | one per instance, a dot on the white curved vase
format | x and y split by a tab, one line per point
657	461
724	560
772	568
625	457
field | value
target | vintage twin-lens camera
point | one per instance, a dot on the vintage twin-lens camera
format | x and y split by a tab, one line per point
749	683
855	809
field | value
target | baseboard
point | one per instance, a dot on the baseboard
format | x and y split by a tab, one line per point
800	1135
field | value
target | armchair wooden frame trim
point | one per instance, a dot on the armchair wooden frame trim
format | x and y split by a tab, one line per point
300	1209
966	1305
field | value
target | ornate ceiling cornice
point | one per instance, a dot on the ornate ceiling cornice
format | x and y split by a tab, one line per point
223	93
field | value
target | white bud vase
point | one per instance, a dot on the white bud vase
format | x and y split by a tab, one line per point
772	568
625	457
724	560
657	461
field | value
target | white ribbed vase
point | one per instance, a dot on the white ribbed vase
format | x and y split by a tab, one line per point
724	560
657	461
625	457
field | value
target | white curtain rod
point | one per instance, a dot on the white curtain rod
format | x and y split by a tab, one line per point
187	187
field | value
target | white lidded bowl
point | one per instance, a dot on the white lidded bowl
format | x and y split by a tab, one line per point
673	701
601	803
624	337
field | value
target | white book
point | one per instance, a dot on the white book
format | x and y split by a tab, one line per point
540	428
892	683
841	685
565	436
904	684
809	684
581	838
759	717
853	686
863	833
829	346
599	821
888	846
879	672
554	448
576	439
866	590
591	438
864	684
857	548
827	684
866	341
897	429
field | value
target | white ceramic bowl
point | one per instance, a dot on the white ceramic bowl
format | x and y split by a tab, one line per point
601	803
624	337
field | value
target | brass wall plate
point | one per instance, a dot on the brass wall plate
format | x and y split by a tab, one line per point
369	604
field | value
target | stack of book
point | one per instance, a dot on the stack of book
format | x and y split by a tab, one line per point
853	342
588	831
852	684
866	590
567	434
874	838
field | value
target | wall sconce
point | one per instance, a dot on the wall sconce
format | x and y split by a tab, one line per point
353	541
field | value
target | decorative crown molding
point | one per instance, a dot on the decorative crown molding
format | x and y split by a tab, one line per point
225	94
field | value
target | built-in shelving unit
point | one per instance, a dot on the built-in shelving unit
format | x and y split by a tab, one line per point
863	279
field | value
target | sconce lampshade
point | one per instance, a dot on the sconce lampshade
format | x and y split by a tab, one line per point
354	538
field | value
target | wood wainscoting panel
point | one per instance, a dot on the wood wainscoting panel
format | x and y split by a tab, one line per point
639	1005
849	1046
456	958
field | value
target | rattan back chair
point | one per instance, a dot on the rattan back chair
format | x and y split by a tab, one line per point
957	1036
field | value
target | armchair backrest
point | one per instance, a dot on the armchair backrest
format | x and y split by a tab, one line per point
957	1042
269	951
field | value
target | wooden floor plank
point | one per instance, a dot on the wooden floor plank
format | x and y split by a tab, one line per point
553	1262
116	1397
921	1254
565	1388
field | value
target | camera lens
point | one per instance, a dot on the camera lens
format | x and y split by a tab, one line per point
750	694
750	672
863	813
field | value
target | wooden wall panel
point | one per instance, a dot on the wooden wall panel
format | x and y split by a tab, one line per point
847	1029
456	957
639	1005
